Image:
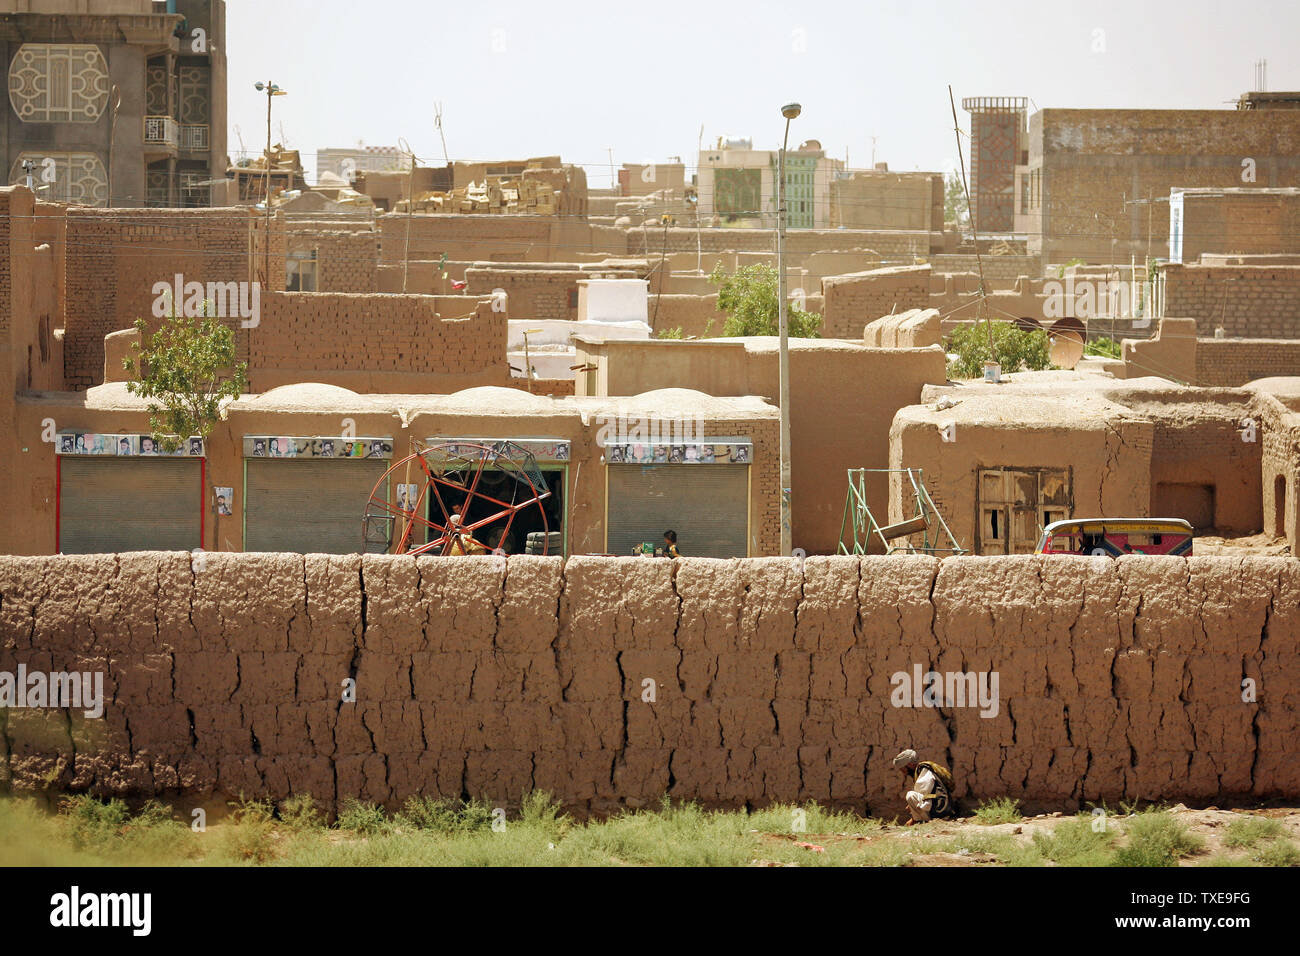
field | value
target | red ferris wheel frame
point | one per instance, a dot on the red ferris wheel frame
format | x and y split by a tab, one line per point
454	466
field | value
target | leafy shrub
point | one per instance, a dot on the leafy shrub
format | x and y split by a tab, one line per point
1076	843
749	299
998	810
1103	346
1013	349
300	812
1156	838
361	817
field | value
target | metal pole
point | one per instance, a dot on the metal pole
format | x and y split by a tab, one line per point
783	331
266	239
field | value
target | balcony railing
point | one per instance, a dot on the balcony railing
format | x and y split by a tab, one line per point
161	131
194	137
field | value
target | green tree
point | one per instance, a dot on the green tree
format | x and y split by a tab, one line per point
748	297
955	207
188	368
1013	349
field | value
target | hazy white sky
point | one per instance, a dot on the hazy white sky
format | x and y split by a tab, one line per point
525	79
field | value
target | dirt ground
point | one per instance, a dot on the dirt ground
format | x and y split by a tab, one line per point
1210	825
1255	544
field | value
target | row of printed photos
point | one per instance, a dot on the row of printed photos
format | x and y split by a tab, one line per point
94	443
284	446
695	453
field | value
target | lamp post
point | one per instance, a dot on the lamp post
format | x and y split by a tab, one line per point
789	111
271	90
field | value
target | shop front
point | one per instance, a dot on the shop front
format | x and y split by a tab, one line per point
699	489
308	494
122	492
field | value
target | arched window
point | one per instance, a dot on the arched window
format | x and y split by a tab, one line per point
58	83
65	177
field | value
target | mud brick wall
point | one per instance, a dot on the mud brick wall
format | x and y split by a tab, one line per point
115	256
481	237
852	301
346	261
772	678
650	241
537	293
995	267
1257	302
376	343
1233	362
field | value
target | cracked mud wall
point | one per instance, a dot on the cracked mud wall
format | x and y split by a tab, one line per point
770	679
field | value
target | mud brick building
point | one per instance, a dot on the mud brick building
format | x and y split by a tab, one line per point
1088	187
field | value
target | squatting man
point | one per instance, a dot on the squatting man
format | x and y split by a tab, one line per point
930	794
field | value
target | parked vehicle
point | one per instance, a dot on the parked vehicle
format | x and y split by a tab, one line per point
1115	537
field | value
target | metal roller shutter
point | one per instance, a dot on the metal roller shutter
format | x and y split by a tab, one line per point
110	505
707	505
306	506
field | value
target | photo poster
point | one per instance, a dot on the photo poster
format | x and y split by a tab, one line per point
289	446
96	443
691	453
408	496
223	501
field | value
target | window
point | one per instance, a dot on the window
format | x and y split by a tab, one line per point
65	177
58	83
301	271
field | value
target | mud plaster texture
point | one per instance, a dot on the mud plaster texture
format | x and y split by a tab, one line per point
491	677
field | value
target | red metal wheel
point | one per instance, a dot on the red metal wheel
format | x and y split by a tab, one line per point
463	488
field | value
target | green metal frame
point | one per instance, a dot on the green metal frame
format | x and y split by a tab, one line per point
863	524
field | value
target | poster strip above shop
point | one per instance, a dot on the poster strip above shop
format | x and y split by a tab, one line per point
290	446
707	451
122	444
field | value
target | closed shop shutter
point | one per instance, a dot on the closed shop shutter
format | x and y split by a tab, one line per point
707	505
110	504
307	506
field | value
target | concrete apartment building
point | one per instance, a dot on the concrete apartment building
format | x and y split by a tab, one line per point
347	161
1094	181
738	183
119	102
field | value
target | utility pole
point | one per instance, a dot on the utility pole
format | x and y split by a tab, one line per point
410	210
116	94
789	111
271	90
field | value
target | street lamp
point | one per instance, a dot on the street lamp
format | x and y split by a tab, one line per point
271	90
789	111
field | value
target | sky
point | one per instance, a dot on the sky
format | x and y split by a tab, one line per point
578	79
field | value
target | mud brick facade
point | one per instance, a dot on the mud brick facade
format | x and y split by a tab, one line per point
1234	362
853	301
1118	680
650	241
537	291
377	343
347	260
114	257
1087	166
1257	302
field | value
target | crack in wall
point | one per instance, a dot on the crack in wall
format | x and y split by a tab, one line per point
757	730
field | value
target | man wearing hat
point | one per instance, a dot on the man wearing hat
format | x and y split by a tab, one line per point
931	792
